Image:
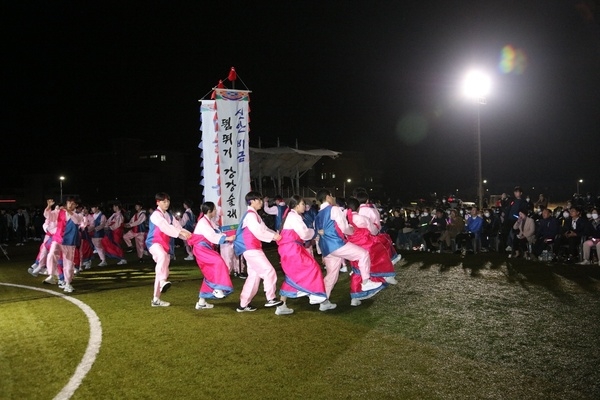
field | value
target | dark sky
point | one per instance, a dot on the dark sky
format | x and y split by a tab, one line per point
379	76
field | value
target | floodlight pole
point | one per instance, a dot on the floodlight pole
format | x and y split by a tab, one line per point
479	172
344	190
61	179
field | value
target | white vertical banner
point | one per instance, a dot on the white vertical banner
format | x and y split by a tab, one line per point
233	127
209	147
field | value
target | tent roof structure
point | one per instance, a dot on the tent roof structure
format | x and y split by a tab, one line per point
284	161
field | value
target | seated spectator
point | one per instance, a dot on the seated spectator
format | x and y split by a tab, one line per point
394	224
415	237
454	226
424	218
490	230
593	239
524	234
436	227
546	232
473	229
403	239
575	229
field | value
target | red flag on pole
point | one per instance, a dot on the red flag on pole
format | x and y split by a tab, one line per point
232	75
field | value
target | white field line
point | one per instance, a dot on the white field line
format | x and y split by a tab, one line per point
93	346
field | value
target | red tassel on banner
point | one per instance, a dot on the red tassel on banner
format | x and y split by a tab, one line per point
232	75
220	85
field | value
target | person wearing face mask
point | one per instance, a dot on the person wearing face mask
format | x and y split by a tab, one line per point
414	237
424	220
593	238
576	227
444	206
529	204
546	233
473	228
491	228
525	233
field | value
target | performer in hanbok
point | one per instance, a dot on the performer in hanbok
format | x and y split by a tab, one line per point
277	210
64	242
162	228
235	264
216	283
370	211
137	231
332	226
188	221
113	235
51	216
96	230
86	250
303	275
382	269
249	235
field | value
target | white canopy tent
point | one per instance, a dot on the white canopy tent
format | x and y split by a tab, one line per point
282	162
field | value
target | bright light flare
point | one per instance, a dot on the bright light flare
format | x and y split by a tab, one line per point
476	84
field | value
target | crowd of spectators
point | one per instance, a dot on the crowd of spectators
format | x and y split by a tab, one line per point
515	225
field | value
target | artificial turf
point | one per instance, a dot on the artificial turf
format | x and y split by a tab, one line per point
482	327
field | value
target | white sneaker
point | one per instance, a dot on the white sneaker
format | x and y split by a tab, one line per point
355	302
44	271
203	306
313	299
103	264
370	285
283	310
301	294
584	262
164	286
76	271
189	258
396	258
344	269
327	305
218	293
50	280
508	248
159	303
68	288
391	280
32	271
122	262
87	264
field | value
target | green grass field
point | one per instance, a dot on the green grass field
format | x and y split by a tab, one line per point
483	327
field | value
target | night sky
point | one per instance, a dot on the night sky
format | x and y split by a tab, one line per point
378	76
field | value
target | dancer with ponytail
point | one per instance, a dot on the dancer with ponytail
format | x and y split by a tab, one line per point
216	283
303	275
